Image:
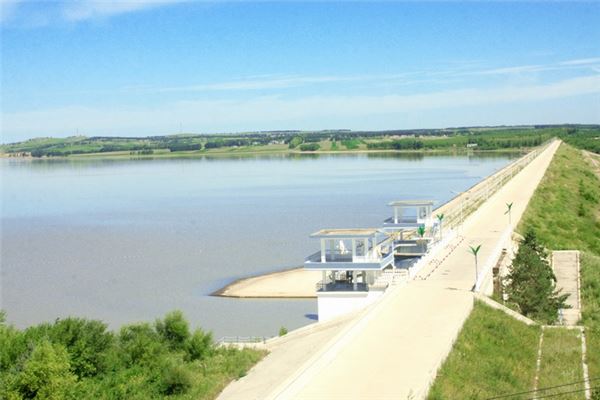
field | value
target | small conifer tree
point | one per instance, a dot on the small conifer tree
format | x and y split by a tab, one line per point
531	282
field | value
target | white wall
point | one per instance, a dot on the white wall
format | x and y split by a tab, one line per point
334	304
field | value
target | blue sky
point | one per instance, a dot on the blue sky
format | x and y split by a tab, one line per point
155	67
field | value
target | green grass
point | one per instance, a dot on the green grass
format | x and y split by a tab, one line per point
351	144
565	213
565	209
590	296
561	362
493	355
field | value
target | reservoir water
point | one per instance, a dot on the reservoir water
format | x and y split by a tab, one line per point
128	240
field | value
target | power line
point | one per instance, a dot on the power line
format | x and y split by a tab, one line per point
561	393
542	389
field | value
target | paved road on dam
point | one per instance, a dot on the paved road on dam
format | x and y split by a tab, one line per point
393	350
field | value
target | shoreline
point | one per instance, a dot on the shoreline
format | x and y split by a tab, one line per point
289	283
201	154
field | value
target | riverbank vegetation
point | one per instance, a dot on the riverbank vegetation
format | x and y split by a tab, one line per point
446	140
76	358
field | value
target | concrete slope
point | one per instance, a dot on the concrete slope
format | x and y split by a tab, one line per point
394	352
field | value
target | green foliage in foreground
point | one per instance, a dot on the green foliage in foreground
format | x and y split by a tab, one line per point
494	354
532	284
76	358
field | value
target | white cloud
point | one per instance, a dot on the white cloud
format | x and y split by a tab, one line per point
87	9
274	82
309	112
582	61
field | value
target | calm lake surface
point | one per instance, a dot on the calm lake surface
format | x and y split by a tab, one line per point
128	240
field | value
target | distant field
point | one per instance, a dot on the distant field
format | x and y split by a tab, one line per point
191	145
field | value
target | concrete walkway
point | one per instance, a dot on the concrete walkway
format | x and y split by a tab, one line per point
393	351
406	337
566	269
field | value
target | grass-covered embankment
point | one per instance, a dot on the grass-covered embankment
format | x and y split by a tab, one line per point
494	354
565	213
76	358
561	347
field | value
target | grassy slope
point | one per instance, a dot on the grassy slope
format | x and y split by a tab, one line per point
565	213
561	347
493	354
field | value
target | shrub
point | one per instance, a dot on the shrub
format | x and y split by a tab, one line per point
174	329
45	374
86	342
139	344
310	147
199	345
175	379
283	331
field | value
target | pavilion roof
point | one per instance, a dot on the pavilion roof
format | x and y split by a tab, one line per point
411	203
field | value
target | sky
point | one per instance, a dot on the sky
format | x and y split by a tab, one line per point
138	68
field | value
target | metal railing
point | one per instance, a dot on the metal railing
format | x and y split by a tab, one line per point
242	339
341	287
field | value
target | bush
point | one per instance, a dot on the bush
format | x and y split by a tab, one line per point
175	379
44	374
283	331
85	341
174	329
139	344
143	361
310	147
184	147
199	345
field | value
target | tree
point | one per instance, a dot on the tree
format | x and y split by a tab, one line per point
295	142
532	284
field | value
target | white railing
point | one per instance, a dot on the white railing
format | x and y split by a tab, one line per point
474	197
503	243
